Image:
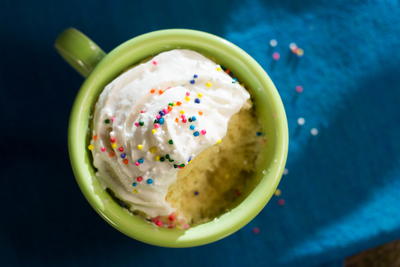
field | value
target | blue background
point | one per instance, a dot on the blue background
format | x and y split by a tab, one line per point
343	186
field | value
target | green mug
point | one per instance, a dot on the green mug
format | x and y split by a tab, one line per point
99	69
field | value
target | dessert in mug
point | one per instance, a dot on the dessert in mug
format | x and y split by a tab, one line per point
174	139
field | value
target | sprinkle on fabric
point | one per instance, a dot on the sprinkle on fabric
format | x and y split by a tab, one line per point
176	120
299	89
90	147
156	125
199	95
113	140
314	131
195	76
160	92
161	121
276	56
256	230
178	103
137	124
301	121
154	63
278	192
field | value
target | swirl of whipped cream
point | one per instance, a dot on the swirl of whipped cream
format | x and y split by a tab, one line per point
154	119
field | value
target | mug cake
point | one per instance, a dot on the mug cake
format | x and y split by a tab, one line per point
175	139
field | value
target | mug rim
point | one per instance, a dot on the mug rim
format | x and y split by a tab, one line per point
115	215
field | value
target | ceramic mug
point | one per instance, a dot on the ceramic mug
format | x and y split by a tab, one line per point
99	69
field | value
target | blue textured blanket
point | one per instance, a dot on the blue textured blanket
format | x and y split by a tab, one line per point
342	189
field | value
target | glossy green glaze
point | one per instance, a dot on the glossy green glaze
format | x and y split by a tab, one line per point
268	106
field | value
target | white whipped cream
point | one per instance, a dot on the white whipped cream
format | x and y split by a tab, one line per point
128	148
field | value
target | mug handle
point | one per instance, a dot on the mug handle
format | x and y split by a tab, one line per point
79	51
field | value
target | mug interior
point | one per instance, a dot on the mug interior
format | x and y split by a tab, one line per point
269	109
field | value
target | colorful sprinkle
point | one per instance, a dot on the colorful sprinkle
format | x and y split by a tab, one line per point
299	52
135	191
140	147
160	92
187	98
112	140
196	133
111	154
170	142
301	121
137	124
149	181
218	68
273	42
192	127
137	163
200	113
197	101
139	179
278	192
141	123
161	121
106	121
281	202
103	149
142	111
219	141
141	160
153	131
114	145
176	120
256	230
285	171
154	62
157	158
314	131
125	161
195	76
162	159
234	80
276	56
208	84
192	81
134	184
123	155
94	137
121	149
182	112
193	118
187	94
153	149
299	89
152	91
90	147
172	217
178	103
203	132
156	125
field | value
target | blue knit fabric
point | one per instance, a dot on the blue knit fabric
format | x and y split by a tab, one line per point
343	187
